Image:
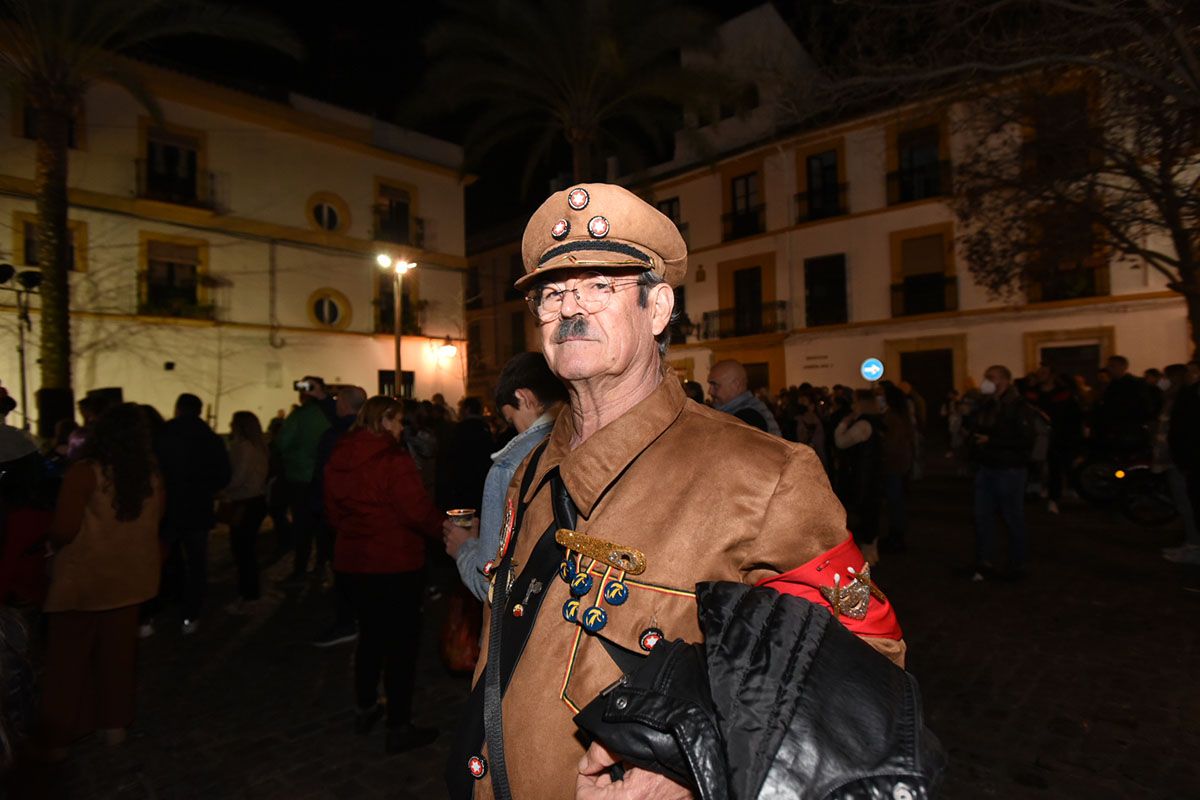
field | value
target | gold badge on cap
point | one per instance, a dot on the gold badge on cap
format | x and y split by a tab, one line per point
578	198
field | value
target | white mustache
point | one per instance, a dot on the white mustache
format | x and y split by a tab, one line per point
571	327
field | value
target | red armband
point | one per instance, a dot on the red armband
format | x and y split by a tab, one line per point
815	582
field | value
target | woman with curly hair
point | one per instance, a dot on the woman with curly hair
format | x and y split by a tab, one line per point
107	557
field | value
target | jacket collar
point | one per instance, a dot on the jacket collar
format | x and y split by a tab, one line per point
592	467
738	403
537	429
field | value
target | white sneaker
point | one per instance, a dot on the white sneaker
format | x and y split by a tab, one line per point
146	631
189	627
1052	506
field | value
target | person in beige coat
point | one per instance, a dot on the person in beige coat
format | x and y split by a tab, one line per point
106	562
637	496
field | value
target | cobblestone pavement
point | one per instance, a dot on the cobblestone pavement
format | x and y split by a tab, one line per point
1078	683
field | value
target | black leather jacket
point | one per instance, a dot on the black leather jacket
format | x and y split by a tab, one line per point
779	702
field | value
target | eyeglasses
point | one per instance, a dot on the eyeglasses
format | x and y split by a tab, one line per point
592	293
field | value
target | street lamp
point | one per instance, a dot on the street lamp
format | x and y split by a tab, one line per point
28	281
397	267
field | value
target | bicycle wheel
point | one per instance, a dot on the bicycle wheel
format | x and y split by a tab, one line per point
1097	482
1149	502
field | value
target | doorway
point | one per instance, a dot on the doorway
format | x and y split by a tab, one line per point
1073	359
931	373
758	376
933	365
747	301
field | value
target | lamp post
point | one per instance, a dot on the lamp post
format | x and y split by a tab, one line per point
28	281
397	267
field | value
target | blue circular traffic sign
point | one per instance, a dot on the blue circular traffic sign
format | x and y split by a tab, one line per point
871	369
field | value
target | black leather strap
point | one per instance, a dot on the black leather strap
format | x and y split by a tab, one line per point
472	730
493	691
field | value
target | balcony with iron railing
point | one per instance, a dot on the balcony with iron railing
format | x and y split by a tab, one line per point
924	294
743	222
918	183
821	205
397	228
749	320
196	189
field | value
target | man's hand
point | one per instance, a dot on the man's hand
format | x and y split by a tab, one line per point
454	535
595	783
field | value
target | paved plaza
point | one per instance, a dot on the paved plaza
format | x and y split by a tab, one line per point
1078	683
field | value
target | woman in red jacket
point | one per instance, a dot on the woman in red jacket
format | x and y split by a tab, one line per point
376	503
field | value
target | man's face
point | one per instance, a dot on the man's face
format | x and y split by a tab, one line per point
617	339
999	378
1193	374
1116	369
723	386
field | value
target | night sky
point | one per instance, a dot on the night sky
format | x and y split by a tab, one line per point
369	57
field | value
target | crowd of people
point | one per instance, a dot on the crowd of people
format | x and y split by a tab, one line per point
106	532
356	490
1017	437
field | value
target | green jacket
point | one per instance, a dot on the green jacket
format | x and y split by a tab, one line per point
298	440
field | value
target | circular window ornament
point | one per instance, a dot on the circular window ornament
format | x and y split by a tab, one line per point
328	212
329	308
326	216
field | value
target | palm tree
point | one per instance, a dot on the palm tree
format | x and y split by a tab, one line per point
601	75
51	51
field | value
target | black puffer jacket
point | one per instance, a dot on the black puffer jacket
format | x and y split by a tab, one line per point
779	702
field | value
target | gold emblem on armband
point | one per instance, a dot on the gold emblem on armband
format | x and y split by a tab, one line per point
617	556
854	598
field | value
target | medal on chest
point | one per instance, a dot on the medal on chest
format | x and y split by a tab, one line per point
506	531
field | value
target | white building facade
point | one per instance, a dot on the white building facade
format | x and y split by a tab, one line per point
230	248
811	252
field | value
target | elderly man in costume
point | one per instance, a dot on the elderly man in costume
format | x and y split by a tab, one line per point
636	498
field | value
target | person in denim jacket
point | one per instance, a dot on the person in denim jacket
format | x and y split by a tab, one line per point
529	396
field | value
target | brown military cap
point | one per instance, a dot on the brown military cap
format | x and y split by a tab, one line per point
601	226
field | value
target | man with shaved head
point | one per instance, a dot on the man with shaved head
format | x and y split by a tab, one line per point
730	391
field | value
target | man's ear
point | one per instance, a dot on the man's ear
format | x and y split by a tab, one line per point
662	304
526	399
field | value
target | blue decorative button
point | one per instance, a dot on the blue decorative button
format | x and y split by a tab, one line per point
566	570
594	619
581	584
616	593
570	609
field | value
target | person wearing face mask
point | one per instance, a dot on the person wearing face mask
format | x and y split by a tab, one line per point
382	515
1001	436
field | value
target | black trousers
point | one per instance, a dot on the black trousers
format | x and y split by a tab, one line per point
185	574
388	609
304	524
247	517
